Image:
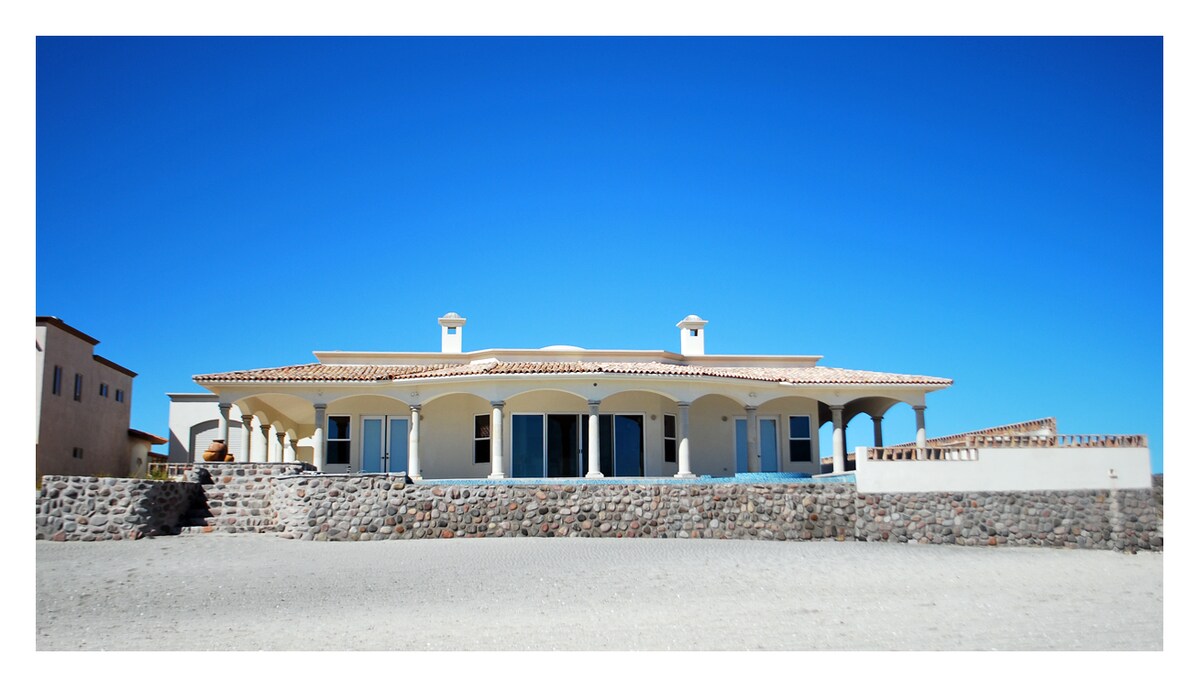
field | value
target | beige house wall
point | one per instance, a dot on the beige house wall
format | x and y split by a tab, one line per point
98	425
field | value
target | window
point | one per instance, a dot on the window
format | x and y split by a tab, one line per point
799	438
57	389
120	395
338	443
78	387
451	330
77	452
670	448
694	333
103	390
483	438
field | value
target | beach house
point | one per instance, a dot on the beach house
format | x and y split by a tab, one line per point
554	412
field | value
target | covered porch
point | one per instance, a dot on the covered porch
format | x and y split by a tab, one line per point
588	426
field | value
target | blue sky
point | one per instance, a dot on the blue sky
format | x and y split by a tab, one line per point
984	209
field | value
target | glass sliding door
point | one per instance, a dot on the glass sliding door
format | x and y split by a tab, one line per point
562	446
555	445
528	446
628	447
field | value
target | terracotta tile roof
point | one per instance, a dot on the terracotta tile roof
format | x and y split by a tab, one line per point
324	372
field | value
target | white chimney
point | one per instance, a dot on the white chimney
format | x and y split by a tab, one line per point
452	332
691	335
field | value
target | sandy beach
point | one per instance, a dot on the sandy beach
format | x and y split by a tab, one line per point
252	592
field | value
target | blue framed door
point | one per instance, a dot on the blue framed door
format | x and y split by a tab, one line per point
384	444
768	445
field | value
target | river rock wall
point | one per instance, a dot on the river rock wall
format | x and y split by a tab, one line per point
73	507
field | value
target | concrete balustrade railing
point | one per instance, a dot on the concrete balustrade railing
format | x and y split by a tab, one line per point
1066	441
917	454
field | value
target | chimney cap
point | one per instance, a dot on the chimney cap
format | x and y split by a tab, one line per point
451	319
692	322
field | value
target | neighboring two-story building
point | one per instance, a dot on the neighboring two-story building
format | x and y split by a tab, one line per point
82	412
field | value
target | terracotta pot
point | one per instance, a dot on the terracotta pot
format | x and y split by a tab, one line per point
216	451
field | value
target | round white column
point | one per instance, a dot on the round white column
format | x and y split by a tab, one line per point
593	470
920	411
223	422
247	425
685	460
839	440
319	437
261	444
289	450
277	454
414	443
753	464
497	431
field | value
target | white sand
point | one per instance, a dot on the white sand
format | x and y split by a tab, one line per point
221	592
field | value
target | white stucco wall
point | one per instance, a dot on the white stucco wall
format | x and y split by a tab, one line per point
1007	469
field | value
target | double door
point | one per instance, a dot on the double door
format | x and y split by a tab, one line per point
384	444
768	444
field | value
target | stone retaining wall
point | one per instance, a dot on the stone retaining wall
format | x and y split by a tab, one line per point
1124	519
86	508
377	508
238	495
282	499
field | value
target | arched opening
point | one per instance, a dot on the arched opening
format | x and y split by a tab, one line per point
456	436
788	435
712	434
366	433
863	425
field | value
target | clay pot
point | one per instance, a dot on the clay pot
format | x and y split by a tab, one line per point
217	451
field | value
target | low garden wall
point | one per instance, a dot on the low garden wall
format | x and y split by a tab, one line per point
285	500
376	508
84	508
1095	519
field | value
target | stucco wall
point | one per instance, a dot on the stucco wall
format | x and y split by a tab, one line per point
97	425
1017	468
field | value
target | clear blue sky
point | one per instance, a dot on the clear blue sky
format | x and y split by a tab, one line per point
987	209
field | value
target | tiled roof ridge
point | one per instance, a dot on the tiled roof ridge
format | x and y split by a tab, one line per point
1023	426
334	372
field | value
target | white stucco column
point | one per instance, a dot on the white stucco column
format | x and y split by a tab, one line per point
685	459
280	440
920	411
839	440
593	454
497	440
223	422
414	443
247	425
878	421
752	459
319	437
261	445
289	450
